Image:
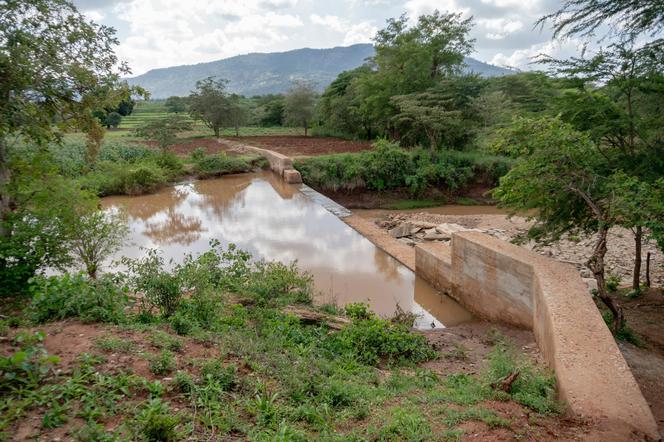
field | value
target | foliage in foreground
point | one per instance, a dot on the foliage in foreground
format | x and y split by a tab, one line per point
268	374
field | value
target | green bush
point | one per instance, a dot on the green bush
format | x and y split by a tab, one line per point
163	363
75	296
374	339
219	164
125	178
388	166
156	423
161	290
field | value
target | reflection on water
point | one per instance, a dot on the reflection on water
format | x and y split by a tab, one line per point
273	220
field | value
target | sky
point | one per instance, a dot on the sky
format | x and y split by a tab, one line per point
162	33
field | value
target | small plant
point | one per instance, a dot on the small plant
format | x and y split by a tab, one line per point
163	363
265	409
112	344
613	282
163	340
75	296
198	154
184	382
225	376
459	352
156	422
27	366
358	310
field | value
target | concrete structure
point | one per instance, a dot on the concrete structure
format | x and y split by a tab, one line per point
279	163
502	282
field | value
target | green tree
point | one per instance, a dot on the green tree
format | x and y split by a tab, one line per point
339	107
238	113
300	105
56	68
585	17
176	104
412	59
164	130
624	116
560	177
113	120
93	235
209	103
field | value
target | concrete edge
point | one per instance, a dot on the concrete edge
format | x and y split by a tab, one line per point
280	164
593	377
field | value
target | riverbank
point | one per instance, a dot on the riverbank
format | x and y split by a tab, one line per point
260	363
643	313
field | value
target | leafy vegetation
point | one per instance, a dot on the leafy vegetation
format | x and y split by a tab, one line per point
264	372
390	167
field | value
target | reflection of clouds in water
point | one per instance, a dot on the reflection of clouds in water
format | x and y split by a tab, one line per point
275	222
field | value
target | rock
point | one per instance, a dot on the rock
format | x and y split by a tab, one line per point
449	228
423	224
401	231
414	230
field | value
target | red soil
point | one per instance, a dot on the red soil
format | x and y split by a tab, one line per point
294	146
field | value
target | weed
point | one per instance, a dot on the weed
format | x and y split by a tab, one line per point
459	352
163	340
111	343
613	282
26	367
404	425
163	363
184	382
60	297
156	422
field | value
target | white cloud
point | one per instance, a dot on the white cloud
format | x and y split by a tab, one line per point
171	32
415	8
94	15
330	21
499	28
360	33
521	58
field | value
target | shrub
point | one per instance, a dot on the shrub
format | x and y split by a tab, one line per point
122	178
163	363
198	154
372	339
74	296
390	167
613	282
219	164
160	289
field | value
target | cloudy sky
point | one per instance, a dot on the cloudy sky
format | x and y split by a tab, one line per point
162	33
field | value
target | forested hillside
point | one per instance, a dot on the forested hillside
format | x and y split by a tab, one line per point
259	74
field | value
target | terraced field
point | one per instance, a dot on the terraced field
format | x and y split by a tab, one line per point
146	111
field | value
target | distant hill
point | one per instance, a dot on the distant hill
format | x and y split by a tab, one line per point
258	74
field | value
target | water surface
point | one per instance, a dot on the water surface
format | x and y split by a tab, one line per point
275	221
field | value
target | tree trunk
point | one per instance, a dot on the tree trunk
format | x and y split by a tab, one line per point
638	240
596	265
216	132
5	199
305	131
648	270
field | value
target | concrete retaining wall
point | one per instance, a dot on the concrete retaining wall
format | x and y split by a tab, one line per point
502	282
279	163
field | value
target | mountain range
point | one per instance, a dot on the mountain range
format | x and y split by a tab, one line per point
259	73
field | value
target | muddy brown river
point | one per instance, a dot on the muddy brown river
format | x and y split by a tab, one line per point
275	221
